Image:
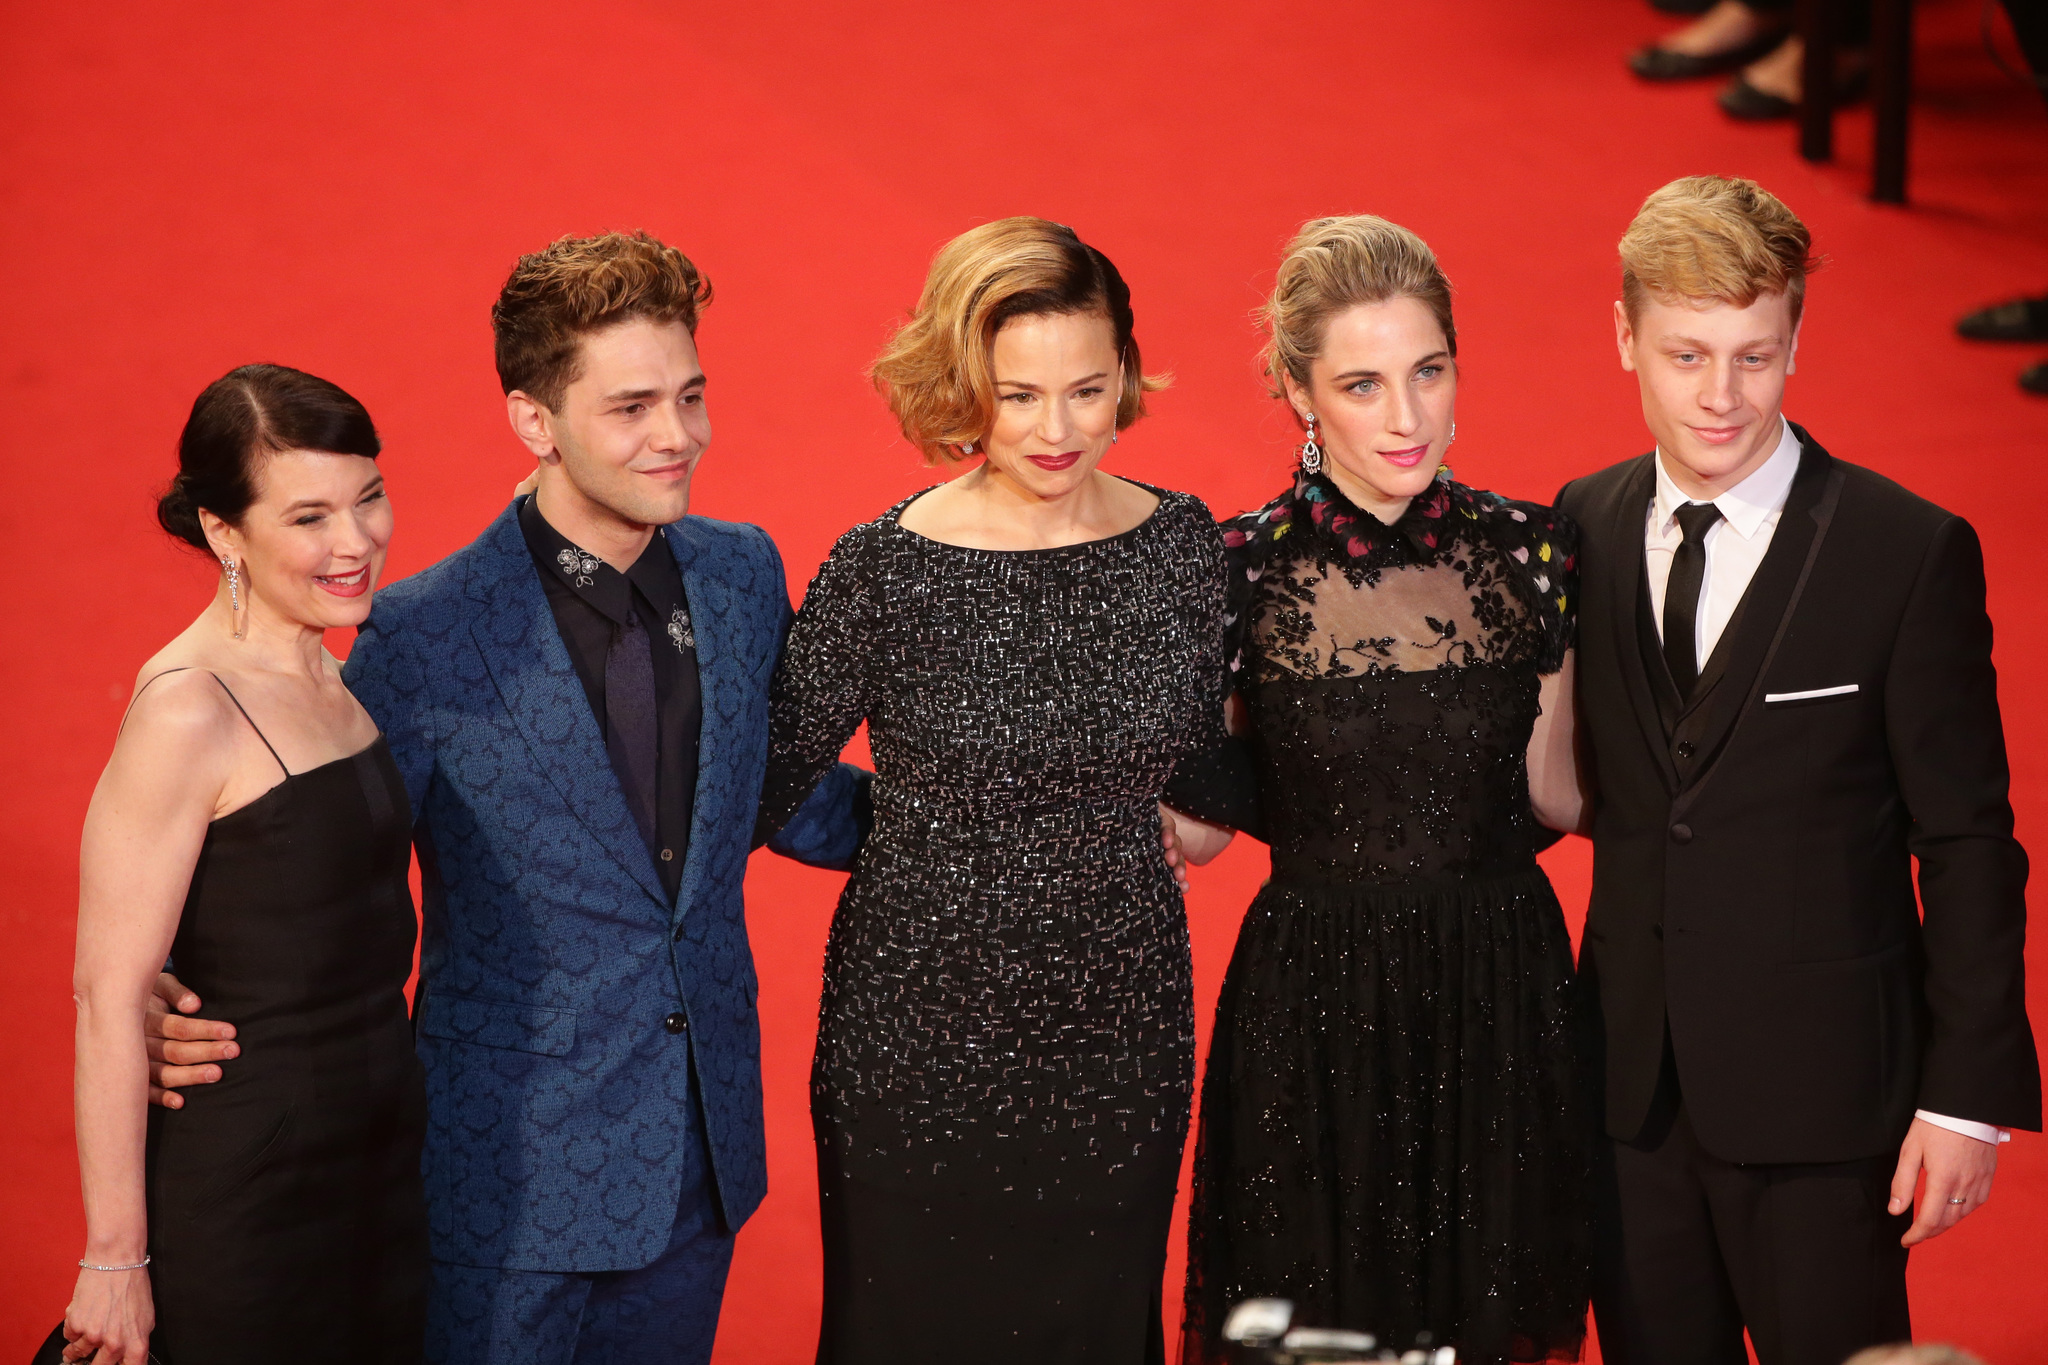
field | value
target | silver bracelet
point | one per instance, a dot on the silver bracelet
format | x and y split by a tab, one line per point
84	1264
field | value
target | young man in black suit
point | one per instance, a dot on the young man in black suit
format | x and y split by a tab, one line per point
1786	692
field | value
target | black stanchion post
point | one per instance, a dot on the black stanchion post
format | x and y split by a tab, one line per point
1891	93
1820	27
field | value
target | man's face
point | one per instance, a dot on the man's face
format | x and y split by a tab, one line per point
629	431
1713	380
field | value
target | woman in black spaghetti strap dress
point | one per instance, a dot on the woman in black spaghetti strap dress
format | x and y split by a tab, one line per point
251	821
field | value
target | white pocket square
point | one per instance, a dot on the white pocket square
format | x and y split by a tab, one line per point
1844	690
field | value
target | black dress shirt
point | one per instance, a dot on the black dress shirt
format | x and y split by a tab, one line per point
592	602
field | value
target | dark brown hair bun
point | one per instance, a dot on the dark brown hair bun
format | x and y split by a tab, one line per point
248	413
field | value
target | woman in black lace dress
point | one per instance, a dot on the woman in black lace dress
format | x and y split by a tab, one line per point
1006	1044
1394	1126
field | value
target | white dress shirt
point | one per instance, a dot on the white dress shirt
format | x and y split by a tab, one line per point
1735	545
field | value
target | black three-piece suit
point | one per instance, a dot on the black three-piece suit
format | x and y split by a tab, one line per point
1772	1006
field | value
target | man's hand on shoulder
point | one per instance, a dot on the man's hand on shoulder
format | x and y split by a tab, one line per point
1958	1168
182	1051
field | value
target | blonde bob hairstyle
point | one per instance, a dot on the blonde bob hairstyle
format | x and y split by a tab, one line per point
936	372
1715	239
1338	263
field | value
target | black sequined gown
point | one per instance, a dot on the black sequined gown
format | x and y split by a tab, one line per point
1006	1043
1395	1122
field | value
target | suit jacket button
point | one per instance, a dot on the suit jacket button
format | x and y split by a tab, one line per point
1681	834
678	935
668	855
1685	751
675	1023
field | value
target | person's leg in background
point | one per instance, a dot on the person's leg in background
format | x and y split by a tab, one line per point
2023	319
1768	88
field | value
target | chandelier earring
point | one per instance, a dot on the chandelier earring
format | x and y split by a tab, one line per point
234	573
1311	453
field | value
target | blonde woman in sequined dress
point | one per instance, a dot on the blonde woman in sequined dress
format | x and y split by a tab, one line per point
1006	1041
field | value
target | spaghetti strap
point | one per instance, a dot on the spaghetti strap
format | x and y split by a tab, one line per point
252	723
181	668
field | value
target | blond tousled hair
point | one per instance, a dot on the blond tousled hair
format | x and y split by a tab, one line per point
1718	239
578	285
936	371
1337	263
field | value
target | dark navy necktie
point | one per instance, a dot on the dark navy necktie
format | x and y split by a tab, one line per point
1682	595
631	734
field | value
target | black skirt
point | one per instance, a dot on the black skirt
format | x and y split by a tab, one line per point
1395	1125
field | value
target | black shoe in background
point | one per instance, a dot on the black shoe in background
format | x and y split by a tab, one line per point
1682	6
2013	320
2034	379
1739	99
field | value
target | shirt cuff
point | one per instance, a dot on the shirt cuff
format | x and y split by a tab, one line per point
1983	1132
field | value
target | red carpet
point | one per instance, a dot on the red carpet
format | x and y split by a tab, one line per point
343	188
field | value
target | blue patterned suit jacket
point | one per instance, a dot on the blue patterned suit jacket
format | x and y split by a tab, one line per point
557	1137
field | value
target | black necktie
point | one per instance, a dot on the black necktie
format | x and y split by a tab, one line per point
1682	595
629	715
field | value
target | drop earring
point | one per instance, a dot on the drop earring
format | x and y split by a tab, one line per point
1311	453
234	572
966	448
1454	437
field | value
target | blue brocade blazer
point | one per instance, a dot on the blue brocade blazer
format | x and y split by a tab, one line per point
557	1133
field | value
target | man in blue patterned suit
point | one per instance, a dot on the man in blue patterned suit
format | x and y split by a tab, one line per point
579	704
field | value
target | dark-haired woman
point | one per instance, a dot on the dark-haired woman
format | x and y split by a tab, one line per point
1006	1042
1395	1122
251	823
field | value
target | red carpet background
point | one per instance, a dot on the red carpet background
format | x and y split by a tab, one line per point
342	188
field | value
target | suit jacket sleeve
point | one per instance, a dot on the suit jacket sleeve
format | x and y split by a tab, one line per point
1948	749
386	677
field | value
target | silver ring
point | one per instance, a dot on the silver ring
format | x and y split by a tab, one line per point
1958	1201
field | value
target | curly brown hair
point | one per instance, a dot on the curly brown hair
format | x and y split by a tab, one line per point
578	285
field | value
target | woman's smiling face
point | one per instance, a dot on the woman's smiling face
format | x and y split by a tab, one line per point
1057	387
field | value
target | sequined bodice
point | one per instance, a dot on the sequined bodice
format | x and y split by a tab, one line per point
1392	676
1007	992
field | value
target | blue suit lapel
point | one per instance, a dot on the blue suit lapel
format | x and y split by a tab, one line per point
723	677
515	632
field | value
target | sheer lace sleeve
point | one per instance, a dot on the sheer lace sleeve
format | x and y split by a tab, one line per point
824	685
1543	545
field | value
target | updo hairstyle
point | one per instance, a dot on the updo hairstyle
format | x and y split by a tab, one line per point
936	372
1338	263
248	414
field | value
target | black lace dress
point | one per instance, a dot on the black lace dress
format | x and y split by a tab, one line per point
1395	1122
1006	1040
